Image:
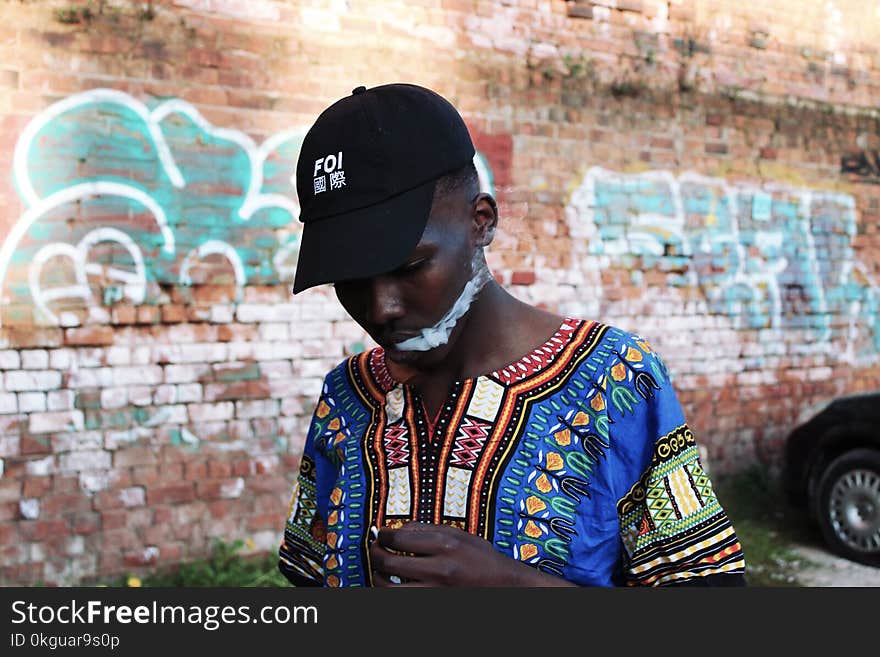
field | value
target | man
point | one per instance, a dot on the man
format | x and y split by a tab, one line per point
485	441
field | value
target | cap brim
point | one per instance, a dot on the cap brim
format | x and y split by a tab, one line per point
364	242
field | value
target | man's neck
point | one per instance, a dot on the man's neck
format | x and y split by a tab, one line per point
498	330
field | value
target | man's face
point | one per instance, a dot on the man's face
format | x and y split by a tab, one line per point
395	306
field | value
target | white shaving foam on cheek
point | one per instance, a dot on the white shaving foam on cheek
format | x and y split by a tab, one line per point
437	335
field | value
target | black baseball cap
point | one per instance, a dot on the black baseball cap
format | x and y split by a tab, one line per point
365	179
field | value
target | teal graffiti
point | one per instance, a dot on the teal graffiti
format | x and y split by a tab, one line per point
126	200
766	257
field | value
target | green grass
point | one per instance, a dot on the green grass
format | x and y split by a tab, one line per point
767	526
226	566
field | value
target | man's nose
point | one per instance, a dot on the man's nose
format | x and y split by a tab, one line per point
385	301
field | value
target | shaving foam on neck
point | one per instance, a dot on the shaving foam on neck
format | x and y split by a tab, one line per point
437	335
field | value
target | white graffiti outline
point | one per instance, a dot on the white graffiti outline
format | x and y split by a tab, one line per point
580	213
252	202
80	290
253	199
134	283
75	193
93	96
212	247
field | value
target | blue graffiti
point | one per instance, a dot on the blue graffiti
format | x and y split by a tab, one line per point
766	257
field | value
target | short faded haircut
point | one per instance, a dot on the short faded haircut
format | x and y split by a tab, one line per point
465	180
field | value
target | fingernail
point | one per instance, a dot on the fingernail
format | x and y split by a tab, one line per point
374	534
394	579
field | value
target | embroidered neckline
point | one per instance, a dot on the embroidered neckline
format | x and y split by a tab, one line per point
534	361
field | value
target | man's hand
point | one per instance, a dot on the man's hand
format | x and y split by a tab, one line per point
439	555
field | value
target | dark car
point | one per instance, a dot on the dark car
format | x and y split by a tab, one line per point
832	467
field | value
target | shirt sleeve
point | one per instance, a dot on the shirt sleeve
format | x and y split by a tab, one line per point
672	527
303	547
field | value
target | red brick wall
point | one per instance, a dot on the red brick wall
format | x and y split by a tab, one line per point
704	173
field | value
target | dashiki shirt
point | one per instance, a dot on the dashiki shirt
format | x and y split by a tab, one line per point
576	460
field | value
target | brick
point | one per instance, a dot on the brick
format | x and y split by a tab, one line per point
274	331
36	487
247	313
236	391
220	489
89	336
64	504
9	359
256	408
123	314
145	557
148	315
189	392
630	5
140	395
90	356
33	337
208	412
86	460
236	371
40	467
219	469
41	530
61	359
34	359
76	441
86	523
118	355
198	313
579	9
94	377
222	313
114	397
234	332
32	380
60	400
31	445
8	402
195	471
177	494
55	421
196	353
95	482
134	456
173	313
522	278
186	373
30	402
126	497
113	519
171	553
143	374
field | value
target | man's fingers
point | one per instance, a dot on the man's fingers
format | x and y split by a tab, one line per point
409	570
418	538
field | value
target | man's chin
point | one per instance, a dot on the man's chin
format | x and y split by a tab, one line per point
402	365
401	356
407	366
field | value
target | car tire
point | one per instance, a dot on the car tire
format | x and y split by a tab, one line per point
848	506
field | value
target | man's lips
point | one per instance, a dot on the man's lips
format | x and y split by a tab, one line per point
392	339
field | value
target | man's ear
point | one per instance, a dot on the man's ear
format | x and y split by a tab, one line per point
485	218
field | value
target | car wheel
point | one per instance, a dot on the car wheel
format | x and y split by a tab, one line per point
848	506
